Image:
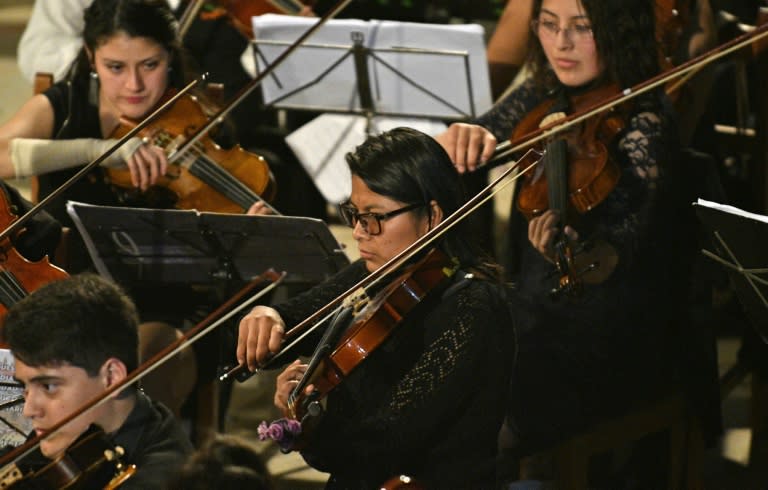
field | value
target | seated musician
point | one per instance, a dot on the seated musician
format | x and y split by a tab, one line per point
595	354
73	339
685	29
129	62
428	402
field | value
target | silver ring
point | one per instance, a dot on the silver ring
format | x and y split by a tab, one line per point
145	140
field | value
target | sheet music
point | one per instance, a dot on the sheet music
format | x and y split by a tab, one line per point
739	240
451	81
321	144
12	403
733	210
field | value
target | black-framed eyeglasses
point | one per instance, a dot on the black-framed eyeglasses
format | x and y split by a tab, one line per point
371	222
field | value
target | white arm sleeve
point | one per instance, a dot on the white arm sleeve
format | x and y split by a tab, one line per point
38	156
52	38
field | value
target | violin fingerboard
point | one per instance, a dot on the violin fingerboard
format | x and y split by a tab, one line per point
556	169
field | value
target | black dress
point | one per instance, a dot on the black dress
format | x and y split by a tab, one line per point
75	117
428	402
586	358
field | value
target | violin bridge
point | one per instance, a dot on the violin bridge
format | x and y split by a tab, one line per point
173	145
550	119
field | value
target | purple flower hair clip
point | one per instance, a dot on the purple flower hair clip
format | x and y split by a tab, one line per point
283	431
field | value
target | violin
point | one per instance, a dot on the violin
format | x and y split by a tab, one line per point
206	177
671	18
240	12
90	462
19	276
577	174
344	346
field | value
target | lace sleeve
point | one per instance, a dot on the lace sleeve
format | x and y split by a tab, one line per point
449	355
466	350
507	113
435	390
627	212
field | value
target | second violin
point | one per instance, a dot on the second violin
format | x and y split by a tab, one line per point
577	175
207	177
404	380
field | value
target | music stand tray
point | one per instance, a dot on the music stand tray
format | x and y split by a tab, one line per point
133	245
740	240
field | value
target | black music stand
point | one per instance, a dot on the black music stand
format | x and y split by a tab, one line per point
133	245
740	240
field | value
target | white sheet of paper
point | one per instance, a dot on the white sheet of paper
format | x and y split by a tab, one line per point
321	144
12	396
733	210
453	83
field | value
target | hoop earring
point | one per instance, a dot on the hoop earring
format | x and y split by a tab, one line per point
93	88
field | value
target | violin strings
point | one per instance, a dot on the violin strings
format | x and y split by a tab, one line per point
11	290
221	180
210	172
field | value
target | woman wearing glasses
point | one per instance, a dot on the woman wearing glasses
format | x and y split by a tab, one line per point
590	356
429	401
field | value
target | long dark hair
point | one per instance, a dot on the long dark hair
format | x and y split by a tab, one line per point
151	19
411	167
624	32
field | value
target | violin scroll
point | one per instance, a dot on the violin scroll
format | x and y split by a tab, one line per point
91	462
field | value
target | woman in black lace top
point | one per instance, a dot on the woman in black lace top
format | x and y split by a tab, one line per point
429	401
584	358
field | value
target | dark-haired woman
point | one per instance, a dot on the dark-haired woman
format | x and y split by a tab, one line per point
429	401
599	353
129	61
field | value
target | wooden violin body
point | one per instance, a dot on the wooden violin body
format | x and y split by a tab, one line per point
91	462
206	178
373	324
671	19
591	174
239	12
577	174
19	276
